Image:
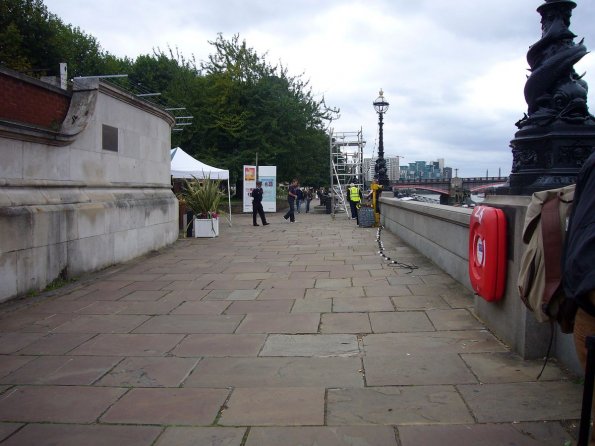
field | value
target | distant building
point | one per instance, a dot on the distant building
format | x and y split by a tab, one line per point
425	170
392	168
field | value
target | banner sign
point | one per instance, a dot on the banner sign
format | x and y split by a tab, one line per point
268	176
249	184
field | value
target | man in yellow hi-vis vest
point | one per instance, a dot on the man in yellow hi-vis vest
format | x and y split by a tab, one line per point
355	197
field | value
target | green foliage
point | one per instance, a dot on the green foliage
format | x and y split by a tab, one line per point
203	197
248	107
35	41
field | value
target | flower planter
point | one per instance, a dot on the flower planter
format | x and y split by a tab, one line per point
206	227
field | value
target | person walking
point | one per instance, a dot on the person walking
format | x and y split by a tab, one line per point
355	197
299	199
309	197
257	205
291	196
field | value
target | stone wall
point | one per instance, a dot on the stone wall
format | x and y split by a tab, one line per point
69	204
442	234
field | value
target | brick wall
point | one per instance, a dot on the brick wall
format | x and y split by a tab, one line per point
29	101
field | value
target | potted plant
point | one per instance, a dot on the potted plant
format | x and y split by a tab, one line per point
203	197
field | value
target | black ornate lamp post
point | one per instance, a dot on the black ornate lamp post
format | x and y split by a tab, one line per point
381	106
557	134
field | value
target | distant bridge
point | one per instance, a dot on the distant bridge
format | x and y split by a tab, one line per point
446	186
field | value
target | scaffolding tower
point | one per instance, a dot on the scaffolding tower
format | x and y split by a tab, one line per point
347	166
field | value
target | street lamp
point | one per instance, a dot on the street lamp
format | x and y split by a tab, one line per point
381	106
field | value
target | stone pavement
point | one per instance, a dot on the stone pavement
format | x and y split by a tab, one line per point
290	334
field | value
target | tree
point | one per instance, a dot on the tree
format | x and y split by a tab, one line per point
252	106
36	41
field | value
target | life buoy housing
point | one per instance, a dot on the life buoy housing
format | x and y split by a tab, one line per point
487	252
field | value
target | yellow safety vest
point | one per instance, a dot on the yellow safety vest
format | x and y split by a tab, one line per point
354	194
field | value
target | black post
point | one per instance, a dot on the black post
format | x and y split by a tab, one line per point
557	134
381	106
585	426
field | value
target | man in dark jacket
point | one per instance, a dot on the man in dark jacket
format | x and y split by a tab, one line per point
257	204
579	253
579	259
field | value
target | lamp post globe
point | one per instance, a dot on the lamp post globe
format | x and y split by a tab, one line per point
381	107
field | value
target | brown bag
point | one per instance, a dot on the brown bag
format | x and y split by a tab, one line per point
540	275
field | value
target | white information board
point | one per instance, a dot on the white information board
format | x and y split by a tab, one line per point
268	176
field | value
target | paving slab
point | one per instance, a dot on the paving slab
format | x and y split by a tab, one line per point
62	370
400	322
231	284
279	323
514	402
201	307
184	324
408	369
196	345
129	345
149	283
311	345
333	284
436	341
55	306
455	319
17	322
130	307
409	303
149	372
57	404
88	435
427	290
199	436
345	323
275	407
9	364
360	304
277	372
439	279
13	342
145	296
280	293
396	405
508	368
109	295
481	434
191	294
309	275
327	436
355	291
260	306
367	280
7	429
312	305
405	280
102	324
167	406
388	290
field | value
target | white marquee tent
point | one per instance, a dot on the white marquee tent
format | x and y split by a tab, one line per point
185	166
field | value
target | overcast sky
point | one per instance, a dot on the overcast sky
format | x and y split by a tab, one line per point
452	71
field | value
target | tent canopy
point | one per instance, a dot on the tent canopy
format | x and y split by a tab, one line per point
184	166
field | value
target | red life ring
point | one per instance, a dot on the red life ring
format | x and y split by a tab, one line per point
487	252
